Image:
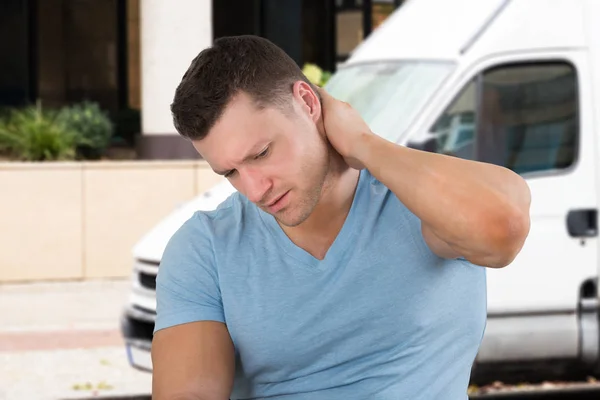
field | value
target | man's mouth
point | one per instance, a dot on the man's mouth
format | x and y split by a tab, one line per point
275	204
272	203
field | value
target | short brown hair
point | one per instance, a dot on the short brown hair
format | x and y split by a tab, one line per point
233	64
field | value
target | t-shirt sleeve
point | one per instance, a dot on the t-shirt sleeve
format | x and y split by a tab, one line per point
187	284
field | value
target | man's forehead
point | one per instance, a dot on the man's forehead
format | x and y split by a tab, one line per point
241	129
225	148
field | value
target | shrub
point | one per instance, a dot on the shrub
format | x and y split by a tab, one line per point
34	134
315	74
93	127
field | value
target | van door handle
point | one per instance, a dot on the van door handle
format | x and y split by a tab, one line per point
583	222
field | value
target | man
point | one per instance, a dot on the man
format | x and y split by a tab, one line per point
345	267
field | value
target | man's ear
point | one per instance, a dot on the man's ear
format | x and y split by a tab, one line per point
308	99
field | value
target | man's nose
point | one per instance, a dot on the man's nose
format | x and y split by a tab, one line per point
256	185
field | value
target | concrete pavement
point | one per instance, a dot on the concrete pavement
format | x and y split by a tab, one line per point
61	340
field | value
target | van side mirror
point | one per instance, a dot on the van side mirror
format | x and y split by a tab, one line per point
430	145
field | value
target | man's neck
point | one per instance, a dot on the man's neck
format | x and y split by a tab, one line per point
319	231
335	202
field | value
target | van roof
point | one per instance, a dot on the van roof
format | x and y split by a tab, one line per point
444	29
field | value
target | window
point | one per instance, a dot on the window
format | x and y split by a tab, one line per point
388	95
529	118
454	133
525	116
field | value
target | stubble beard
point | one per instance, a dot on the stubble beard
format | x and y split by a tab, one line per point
308	199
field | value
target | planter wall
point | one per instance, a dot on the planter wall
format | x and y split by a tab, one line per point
80	220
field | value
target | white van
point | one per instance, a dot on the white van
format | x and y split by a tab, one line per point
515	83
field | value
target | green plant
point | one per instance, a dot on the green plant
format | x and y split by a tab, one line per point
92	125
315	74
34	134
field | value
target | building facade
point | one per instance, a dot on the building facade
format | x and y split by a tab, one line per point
129	55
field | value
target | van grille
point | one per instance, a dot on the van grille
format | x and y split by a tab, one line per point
147	280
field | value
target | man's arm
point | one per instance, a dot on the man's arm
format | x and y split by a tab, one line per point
476	210
471	209
193	361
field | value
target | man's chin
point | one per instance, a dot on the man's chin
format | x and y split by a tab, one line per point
285	218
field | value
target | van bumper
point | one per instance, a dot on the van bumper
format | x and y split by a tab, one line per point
137	334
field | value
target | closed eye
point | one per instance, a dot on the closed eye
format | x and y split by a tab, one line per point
262	154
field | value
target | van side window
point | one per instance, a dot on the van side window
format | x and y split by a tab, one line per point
525	117
454	131
528	116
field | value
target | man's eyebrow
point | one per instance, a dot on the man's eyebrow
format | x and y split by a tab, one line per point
251	154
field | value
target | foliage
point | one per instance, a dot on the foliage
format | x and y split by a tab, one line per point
34	134
315	74
93	126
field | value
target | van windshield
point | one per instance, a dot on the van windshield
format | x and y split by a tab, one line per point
388	95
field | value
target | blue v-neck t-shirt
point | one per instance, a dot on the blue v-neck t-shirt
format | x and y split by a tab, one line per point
380	317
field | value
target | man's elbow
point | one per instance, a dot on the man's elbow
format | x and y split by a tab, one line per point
508	237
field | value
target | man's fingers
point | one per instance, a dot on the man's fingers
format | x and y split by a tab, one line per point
326	97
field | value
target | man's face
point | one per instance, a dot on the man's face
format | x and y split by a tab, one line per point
278	160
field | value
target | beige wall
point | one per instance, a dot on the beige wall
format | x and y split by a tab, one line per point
81	220
41	222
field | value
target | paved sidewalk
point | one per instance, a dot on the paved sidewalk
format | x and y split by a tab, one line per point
61	340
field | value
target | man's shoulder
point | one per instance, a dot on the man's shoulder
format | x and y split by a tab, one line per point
231	209
384	207
209	238
209	225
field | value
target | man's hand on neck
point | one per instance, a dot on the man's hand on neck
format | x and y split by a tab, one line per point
468	209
